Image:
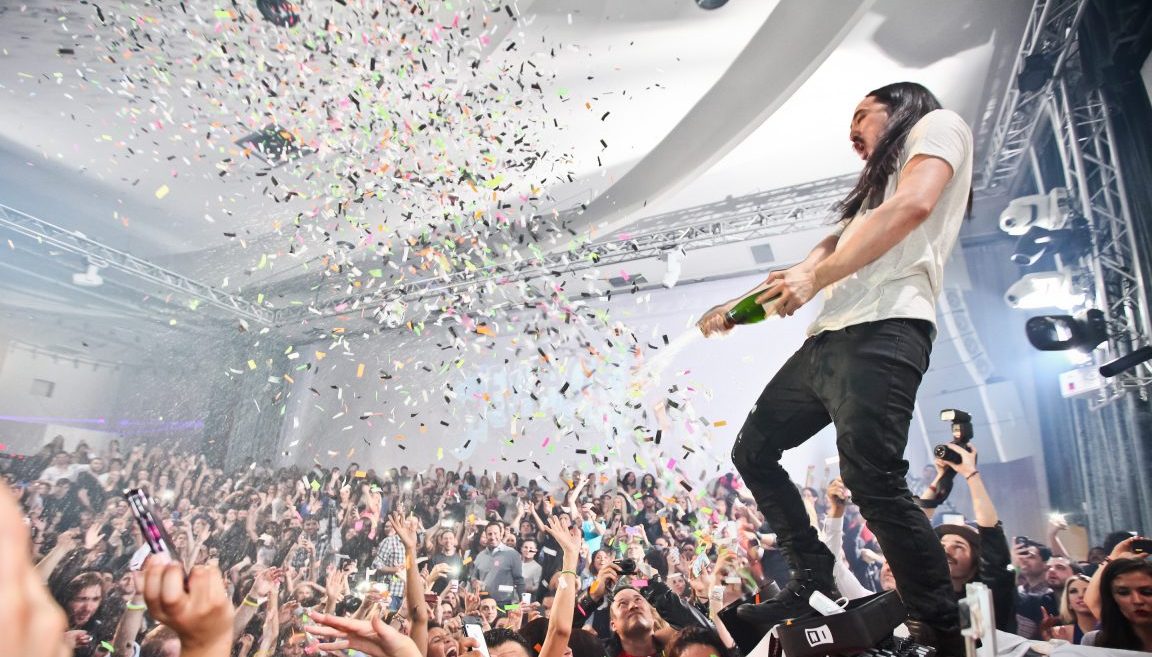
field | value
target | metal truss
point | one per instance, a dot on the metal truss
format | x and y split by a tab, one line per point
74	242
1051	31
756	216
1086	143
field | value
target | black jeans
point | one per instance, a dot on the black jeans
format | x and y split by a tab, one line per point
862	378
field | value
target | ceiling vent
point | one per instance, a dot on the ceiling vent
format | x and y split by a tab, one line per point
274	145
762	254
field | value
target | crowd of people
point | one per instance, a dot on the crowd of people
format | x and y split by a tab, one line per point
400	562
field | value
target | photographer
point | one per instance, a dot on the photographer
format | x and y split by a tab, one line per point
979	554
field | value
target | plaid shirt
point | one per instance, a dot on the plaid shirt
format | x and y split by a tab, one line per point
391	555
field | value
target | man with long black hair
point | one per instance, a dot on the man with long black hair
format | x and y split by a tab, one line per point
866	353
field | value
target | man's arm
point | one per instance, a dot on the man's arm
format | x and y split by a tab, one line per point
922	181
994	555
713	320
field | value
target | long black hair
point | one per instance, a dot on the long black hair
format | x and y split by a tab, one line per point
907	103
1115	630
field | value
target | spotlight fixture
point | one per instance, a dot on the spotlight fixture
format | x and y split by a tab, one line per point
711	4
1036	72
1084	331
91	276
1046	289
1050	211
674	259
279	12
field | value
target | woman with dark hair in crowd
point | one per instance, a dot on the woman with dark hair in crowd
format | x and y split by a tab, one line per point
627	483
1125	603
648	483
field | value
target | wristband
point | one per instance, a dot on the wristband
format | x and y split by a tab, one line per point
974	473
135	607
248	601
570	572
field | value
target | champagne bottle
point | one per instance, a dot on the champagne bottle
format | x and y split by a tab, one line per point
747	311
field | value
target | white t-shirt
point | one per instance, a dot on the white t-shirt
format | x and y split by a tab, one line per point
905	281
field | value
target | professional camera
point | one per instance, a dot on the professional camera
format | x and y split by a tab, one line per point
961	434
627	566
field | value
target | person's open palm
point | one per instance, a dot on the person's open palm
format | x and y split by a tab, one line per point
374	638
405	529
557	530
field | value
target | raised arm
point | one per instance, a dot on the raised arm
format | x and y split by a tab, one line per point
922	181
1123	550
413	590
261	590
713	323
132	619
567	587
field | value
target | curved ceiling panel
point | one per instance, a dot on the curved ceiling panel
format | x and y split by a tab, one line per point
784	52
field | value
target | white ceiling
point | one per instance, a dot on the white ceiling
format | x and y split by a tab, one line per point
92	140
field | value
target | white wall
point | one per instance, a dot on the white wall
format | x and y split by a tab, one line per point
83	395
179	395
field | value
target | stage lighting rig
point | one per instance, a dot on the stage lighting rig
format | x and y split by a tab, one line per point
279	12
1050	211
1071	243
674	261
1047	289
1083	331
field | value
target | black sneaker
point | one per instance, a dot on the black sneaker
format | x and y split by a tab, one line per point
946	644
790	602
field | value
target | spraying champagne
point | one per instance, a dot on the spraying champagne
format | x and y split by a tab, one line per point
744	311
747	311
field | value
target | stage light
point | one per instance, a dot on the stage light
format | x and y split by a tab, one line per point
711	4
279	12
1050	211
1084	331
1036	72
91	276
1046	289
1036	242
674	260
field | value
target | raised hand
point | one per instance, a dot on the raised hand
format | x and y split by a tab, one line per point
967	464
606	579
837	495
557	530
68	540
265	581
201	614
405	530
374	638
